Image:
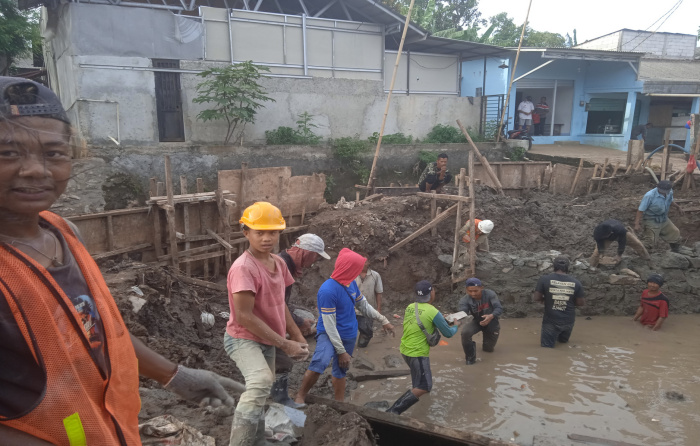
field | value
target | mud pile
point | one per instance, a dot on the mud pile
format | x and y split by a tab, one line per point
529	231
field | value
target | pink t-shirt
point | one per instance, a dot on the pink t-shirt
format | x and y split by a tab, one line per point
249	274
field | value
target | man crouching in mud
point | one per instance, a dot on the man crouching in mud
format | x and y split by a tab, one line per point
337	328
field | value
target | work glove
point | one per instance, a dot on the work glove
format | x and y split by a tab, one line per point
203	387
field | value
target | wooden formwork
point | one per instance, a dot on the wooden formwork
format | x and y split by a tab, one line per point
514	176
196	231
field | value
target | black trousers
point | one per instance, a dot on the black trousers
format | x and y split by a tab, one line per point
490	331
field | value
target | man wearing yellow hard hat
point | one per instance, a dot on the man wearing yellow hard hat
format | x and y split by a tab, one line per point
259	319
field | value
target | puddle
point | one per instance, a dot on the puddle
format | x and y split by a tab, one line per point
609	382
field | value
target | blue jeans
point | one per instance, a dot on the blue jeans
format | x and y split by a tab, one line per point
257	364
552	332
325	352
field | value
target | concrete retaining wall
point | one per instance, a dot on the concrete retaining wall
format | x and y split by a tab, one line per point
115	176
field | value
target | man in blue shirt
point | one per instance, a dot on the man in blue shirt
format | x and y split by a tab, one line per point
337	327
652	217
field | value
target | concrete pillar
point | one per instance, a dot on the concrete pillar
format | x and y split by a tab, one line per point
635	152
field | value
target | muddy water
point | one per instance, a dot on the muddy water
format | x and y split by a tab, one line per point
609	382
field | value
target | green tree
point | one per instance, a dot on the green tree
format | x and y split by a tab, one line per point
19	33
235	94
544	39
506	32
441	15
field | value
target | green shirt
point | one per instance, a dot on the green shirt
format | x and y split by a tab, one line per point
413	341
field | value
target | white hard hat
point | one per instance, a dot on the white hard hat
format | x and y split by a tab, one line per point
485	226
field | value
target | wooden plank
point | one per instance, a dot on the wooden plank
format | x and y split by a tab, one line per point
202	283
116	212
447	197
186	220
110	233
420	432
591	183
160	187
602	174
378	374
597	440
202	223
188	198
425	228
193	251
472	216
152	187
578	174
199	257
219	239
104	255
458	218
242	197
170	212
483	160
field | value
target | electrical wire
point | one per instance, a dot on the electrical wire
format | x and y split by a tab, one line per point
664	16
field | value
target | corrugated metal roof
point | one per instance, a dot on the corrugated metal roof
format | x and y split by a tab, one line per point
670	69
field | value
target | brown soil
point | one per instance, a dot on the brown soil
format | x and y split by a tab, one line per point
170	320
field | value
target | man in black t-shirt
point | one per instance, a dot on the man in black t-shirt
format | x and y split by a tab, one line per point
561	294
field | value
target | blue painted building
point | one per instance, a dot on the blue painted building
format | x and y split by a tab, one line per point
595	96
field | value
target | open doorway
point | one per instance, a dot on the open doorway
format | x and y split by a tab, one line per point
556	96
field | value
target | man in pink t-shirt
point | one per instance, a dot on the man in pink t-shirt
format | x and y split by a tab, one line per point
259	319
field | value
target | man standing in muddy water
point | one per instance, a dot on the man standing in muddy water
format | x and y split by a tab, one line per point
337	328
484	306
259	319
561	294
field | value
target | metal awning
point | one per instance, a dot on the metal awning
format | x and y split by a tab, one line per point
440	45
583	54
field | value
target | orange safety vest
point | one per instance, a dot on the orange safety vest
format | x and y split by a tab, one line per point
466	238
79	405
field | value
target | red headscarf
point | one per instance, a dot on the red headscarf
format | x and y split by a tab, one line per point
348	266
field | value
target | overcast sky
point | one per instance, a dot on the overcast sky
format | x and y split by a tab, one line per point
594	18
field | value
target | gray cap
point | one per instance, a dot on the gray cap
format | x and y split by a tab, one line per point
664	185
313	243
22	97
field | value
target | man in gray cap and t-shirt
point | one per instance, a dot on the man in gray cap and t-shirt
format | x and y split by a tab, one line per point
653	213
305	251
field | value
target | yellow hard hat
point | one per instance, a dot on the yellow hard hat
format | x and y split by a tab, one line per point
263	216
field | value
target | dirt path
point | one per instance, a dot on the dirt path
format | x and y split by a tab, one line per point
610	381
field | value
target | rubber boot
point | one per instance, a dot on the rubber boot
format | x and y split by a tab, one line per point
244	431
260	434
471	356
280	392
405	401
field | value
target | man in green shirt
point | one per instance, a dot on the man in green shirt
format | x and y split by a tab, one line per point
414	344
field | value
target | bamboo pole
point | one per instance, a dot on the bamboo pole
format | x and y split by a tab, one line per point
578	174
433	212
483	161
664	159
512	74
458	219
170	212
370	183
472	213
